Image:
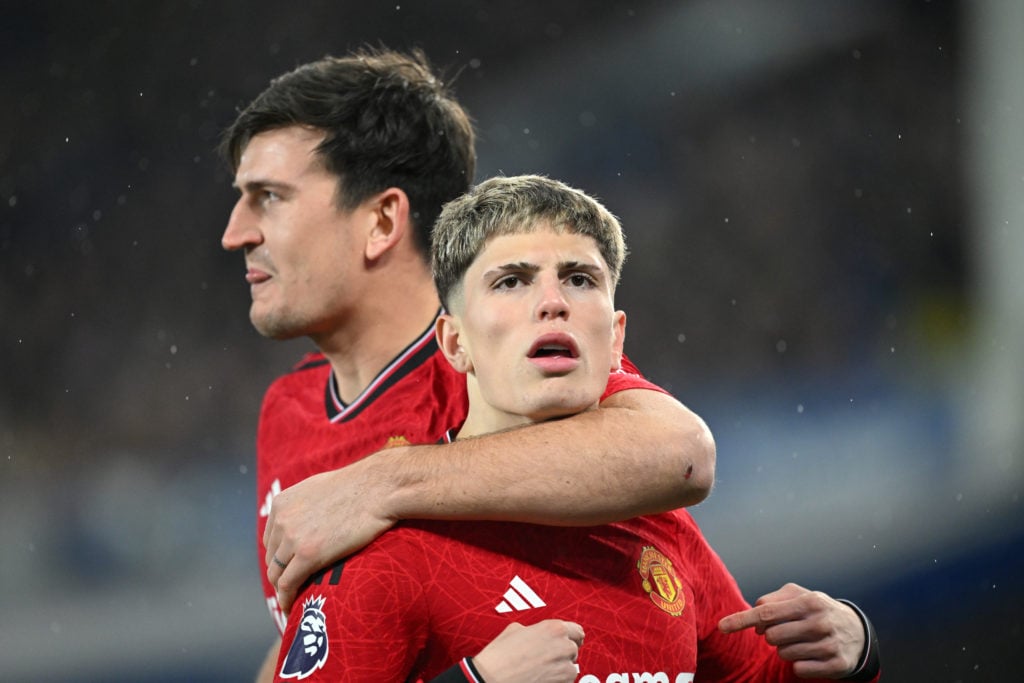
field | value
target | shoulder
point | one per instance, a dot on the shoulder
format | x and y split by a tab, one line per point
628	377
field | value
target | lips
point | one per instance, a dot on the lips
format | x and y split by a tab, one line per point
554	345
255	276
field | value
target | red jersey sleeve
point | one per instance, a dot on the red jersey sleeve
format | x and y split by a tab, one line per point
361	620
628	377
742	657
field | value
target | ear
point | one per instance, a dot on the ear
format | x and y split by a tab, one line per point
389	222
448	331
618	339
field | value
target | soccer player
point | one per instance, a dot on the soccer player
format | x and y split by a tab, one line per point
526	268
342	166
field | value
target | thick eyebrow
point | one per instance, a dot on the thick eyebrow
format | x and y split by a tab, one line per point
527	267
521	267
591	268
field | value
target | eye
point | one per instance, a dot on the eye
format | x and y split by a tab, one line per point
268	196
581	280
508	282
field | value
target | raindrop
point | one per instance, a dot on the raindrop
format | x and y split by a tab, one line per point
800	408
13	200
681	338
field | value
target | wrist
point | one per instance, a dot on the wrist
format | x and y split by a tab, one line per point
869	664
398	483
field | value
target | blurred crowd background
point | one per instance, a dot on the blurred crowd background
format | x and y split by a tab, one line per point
824	203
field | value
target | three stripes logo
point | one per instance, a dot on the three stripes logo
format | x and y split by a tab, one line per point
519	597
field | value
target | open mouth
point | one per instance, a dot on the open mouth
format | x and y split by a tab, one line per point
553	346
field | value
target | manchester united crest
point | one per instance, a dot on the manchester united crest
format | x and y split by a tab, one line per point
396	442
660	581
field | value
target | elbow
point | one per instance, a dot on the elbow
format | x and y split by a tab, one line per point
697	464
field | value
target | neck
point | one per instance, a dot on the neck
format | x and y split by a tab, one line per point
392	311
484	418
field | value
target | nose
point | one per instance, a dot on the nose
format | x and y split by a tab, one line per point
241	230
552	303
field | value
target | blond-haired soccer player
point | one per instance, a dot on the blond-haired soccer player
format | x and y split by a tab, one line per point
527	269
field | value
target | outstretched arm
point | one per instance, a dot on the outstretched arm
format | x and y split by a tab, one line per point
641	452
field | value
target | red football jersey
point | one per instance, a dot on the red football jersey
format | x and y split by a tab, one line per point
649	593
305	429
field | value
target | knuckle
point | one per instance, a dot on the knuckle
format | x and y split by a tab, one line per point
766	614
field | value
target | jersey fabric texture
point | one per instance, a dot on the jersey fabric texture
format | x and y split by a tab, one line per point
649	593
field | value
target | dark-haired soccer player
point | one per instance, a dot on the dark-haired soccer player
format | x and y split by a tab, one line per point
342	166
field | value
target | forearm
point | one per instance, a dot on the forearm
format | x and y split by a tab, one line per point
641	452
266	670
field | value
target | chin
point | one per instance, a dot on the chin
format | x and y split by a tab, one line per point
275	328
561	409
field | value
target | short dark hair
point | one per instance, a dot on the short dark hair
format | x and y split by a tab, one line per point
389	122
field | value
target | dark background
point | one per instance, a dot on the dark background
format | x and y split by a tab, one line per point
823	205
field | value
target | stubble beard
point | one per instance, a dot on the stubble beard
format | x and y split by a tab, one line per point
277	325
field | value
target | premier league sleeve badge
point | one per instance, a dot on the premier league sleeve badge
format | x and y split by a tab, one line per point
308	651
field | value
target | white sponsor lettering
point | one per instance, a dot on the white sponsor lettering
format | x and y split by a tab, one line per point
275	489
280	618
641	677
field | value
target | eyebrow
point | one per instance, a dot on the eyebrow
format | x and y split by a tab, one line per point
257	184
527	267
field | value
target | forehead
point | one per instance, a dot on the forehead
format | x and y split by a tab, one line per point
540	246
287	151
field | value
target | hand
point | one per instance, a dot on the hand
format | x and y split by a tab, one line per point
543	653
321	520
821	636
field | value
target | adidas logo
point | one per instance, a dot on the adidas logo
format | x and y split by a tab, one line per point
518	597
